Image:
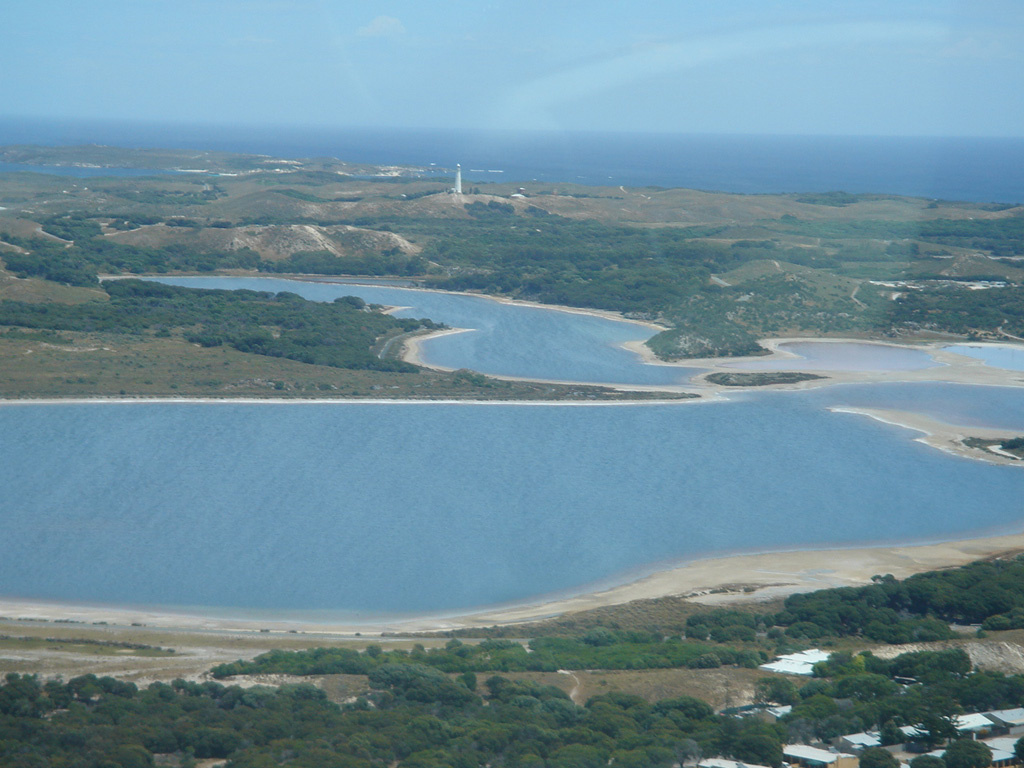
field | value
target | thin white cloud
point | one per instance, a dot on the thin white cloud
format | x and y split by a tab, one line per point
531	103
990	47
382	26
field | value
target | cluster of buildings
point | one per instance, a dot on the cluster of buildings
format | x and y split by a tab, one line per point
794	755
998	729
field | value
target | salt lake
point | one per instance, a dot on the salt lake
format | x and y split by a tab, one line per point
840	356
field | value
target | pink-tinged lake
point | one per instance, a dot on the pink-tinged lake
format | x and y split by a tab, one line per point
840	356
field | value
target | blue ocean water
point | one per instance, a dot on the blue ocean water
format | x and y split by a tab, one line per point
77	171
379	508
974	169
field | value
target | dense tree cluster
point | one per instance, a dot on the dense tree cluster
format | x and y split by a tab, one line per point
420	715
923	689
652	272
390	262
990	593
917	609
598	649
960	311
1002	236
416	717
89	255
340	334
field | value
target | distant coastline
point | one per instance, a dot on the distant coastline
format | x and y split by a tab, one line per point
950	168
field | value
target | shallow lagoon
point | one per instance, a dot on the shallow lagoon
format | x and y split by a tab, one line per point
1008	356
841	356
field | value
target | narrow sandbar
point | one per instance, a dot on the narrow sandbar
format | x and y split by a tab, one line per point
411	350
938	434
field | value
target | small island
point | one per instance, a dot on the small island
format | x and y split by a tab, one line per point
759	378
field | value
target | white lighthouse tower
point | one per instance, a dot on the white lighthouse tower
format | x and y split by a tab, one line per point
458	179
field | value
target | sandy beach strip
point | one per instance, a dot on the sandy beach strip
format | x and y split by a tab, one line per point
733	579
411	349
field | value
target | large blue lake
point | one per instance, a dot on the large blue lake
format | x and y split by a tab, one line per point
370	508
357	509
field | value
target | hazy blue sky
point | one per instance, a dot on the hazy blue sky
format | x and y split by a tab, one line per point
741	66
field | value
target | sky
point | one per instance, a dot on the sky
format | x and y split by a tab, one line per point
862	67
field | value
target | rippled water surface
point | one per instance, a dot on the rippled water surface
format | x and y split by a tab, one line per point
371	508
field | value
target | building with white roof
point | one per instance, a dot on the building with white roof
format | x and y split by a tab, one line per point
858	742
1002	751
911	731
1001	744
719	762
801	663
812	757
973	723
1010	719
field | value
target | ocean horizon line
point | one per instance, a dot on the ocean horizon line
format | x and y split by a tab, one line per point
969	168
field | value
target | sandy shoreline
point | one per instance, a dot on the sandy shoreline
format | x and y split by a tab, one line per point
938	434
954	368
605	313
712	581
